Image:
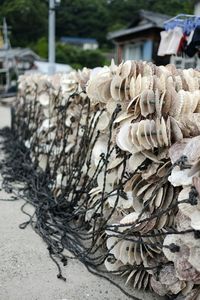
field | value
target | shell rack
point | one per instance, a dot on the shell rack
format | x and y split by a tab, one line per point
109	158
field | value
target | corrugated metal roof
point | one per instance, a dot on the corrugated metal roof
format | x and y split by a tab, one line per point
116	34
78	40
153	20
18	52
43	67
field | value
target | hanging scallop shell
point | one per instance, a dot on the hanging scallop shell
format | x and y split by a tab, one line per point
44	99
123	139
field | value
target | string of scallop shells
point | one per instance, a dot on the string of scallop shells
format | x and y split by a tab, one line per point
145	198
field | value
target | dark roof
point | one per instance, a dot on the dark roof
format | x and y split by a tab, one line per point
77	40
143	20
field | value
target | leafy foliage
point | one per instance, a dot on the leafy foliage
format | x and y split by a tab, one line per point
41	47
28	19
79	58
74	56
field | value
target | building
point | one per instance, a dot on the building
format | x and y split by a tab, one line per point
21	59
84	43
13	62
43	67
141	39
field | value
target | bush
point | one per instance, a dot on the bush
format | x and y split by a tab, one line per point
41	47
79	58
71	55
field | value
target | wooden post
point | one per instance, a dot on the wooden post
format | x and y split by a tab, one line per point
119	53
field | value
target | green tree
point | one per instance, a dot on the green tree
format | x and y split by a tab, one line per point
83	18
41	47
28	19
79	58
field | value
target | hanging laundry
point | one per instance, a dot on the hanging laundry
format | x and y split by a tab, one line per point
170	41
165	38
190	37
181	35
183	44
192	47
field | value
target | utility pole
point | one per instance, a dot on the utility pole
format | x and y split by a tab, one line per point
6	47
51	42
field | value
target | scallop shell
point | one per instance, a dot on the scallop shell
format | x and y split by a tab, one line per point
43	159
122	90
123	253
130	218
160	106
134	136
144	83
124	116
189	285
178	82
142	136
192	149
176	104
194	258
132	87
131	257
158	287
151	101
135	161
164	132
115	86
126	69
187	103
113	67
153	138
143	189
113	266
196	183
132	103
151	156
176	150
167	100
190	124
138	84
147	130
105	90
157	102
195	220
171	239
123	139
150	171
163	82
103	121
114	163
159	198
127	89
44	99
143	104
111	106
180	177
159	133
131	276
176	132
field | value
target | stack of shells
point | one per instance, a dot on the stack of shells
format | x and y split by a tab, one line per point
145	146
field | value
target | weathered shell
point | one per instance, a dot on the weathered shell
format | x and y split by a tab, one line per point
180	177
44	99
